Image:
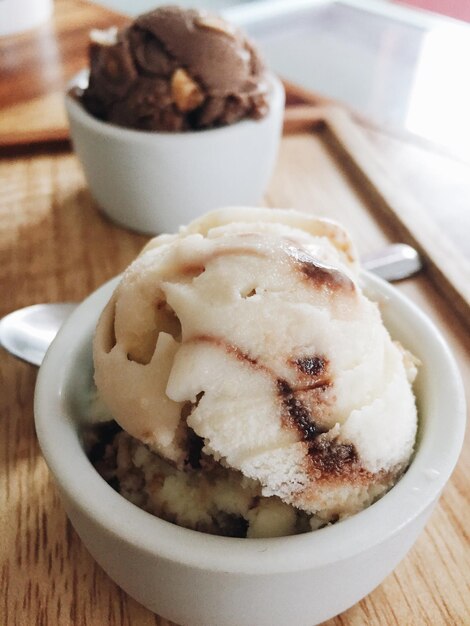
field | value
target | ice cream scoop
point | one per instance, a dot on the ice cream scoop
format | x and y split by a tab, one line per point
249	330
175	69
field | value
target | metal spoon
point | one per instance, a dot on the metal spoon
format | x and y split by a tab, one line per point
393	262
27	333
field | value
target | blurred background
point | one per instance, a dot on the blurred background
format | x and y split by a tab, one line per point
458	9
401	65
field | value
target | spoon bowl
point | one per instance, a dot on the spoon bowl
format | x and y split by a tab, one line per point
28	333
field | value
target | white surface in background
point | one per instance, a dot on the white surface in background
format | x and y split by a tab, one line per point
407	70
17	16
243	11
135	7
439	104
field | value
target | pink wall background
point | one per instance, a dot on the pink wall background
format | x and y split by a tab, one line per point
458	9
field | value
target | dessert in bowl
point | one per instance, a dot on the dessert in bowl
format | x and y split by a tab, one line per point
242	352
199	578
177	115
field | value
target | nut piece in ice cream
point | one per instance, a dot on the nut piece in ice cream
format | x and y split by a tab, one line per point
174	69
249	331
186	94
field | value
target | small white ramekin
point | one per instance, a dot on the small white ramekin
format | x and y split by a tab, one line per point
154	182
202	580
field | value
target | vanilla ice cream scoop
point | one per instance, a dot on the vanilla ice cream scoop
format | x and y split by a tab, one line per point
248	333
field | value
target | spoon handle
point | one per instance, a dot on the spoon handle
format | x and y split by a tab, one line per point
393	262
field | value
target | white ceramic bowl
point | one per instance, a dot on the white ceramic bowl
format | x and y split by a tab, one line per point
198	579
153	182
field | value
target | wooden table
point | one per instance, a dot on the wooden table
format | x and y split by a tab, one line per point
56	246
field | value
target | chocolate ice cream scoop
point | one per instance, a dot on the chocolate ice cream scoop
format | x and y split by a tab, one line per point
174	69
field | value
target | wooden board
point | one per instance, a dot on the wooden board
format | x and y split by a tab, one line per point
55	246
35	67
385	196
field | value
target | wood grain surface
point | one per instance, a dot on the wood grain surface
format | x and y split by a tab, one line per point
55	246
36	65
